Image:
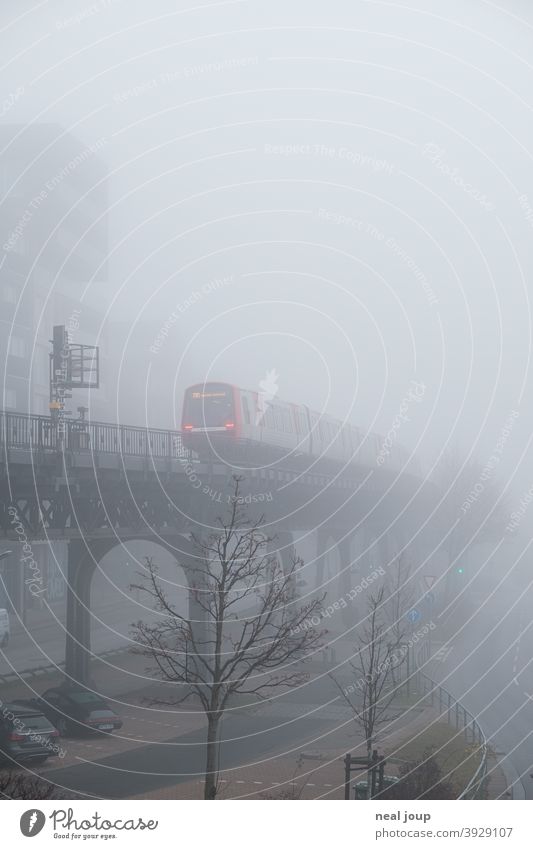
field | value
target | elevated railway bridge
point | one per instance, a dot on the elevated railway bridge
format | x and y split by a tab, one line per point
99	485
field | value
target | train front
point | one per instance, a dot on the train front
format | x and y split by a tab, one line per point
210	420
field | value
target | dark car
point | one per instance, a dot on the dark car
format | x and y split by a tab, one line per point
75	709
26	734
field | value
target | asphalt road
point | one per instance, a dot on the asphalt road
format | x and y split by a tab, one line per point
249	739
42	642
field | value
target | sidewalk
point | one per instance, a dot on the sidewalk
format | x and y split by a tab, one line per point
316	773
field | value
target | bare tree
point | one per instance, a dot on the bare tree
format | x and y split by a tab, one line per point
227	654
377	659
20	785
400	597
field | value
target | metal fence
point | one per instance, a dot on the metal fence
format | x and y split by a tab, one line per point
41	433
459	718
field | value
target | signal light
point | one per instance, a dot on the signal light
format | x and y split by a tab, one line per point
230	425
187	427
460	570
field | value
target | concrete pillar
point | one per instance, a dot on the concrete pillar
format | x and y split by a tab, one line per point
323	542
80	570
345	574
188	557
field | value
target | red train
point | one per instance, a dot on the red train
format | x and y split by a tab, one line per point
217	414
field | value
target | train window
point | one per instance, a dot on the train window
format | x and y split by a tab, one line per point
269	417
246	409
347	438
210	405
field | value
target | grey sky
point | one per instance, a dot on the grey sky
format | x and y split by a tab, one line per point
347	163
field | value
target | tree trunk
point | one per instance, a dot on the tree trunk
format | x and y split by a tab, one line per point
369	745
211	764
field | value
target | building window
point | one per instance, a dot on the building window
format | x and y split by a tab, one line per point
17	347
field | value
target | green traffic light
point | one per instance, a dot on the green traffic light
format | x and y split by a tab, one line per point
460	570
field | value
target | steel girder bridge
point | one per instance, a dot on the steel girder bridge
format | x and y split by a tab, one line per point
98	485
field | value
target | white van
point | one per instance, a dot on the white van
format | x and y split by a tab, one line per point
5	631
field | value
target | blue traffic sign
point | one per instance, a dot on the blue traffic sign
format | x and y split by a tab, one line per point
430	597
414	615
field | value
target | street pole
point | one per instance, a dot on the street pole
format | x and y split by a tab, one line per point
3	556
347	775
430	605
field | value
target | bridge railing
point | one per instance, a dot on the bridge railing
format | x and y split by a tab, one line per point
41	433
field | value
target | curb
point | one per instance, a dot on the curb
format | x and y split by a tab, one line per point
39	671
512	778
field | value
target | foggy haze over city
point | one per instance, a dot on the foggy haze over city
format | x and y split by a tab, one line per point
201	135
265	275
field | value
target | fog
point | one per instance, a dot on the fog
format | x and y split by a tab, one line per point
285	154
338	194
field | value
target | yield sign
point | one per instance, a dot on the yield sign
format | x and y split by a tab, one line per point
429	580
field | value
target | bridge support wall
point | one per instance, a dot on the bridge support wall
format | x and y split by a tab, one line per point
83	559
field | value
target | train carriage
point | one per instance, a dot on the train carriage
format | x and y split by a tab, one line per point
218	416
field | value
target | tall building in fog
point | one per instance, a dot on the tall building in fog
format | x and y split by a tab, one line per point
53	242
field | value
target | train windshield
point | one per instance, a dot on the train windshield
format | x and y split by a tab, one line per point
208	406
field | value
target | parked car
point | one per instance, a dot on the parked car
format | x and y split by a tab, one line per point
5	628
26	734
75	709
